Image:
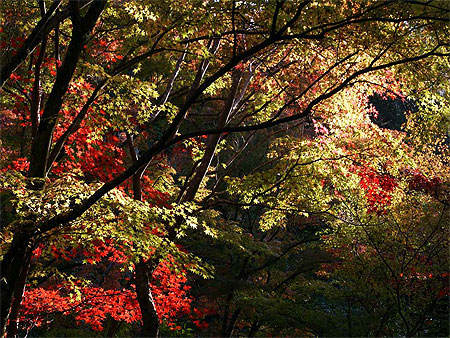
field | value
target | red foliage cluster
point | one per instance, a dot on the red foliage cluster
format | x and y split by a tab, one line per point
21	164
106	51
93	305
419	182
378	188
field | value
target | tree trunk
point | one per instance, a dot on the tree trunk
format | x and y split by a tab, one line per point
113	327
254	328
13	266
231	325
226	314
36	93
42	144
13	325
228	326
150	320
211	145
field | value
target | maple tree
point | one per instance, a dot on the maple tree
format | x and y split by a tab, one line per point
135	133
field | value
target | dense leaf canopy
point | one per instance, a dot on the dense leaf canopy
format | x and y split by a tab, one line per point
225	168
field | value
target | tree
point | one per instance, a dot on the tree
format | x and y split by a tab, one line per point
159	75
383	198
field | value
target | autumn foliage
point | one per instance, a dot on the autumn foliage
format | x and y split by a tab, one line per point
224	168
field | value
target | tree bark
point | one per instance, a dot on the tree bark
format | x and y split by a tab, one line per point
254	328
232	324
16	259
13	325
228	325
81	27
13	266
211	144
36	94
150	319
113	327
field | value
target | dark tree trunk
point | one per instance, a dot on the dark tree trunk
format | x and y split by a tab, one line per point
254	328
226	314
14	266
13	271
211	145
113	327
81	27
13	325
36	94
228	326
150	320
